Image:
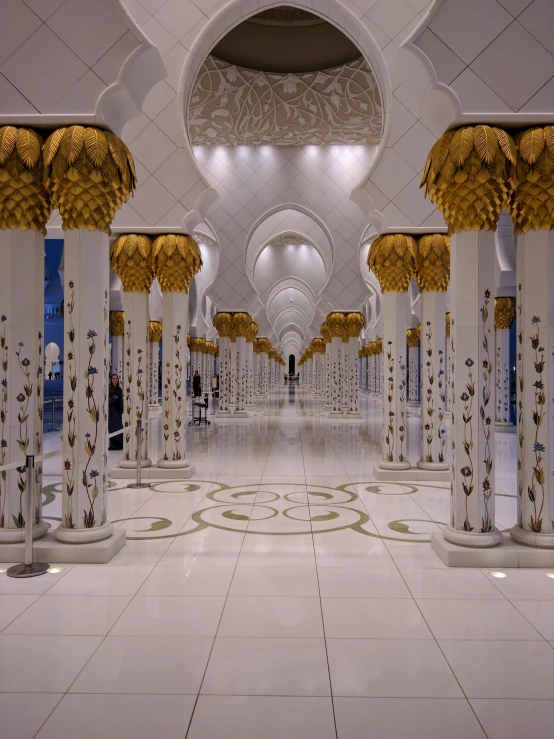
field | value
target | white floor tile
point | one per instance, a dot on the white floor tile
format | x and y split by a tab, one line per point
70	615
31	585
144	553
414	556
275	581
24	713
276	616
524	585
170	615
292	667
154	665
11	606
476	619
194	580
374	555
540	614
450	583
43	664
502	669
102	580
251	717
371	618
384	668
515	719
361	582
391	718
119	717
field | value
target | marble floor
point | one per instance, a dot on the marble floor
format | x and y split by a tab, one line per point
280	593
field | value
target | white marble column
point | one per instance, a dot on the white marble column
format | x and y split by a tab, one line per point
344	371
233	375
504	316
21	377
352	376
240	348
224	375
413	341
174	345
433	382
395	446
264	379
249	403
472	262
117	330
448	363
336	375
85	391
535	389
155	329
135	374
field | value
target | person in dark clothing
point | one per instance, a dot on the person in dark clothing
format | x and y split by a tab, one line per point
196	385
115	422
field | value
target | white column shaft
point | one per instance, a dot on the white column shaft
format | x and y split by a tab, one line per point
502	375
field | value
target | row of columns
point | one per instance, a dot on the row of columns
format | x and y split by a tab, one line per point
202	360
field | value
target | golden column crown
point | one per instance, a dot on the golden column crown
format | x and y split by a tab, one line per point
324	330
223	324
196	344
336	325
354	323
391	259
90	174
117	323
413	337
531	205
504	312
318	345
154	332
265	345
447	322
432	263
131	260
469	174
24	200
177	259
252	332
379	346
258	346
242	323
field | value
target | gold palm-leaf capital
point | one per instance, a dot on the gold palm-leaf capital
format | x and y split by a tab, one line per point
469	175
432	262
413	337
177	259
379	346
155	332
131	260
25	202
504	312
252	332
447	324
391	259
354	323
531	205
223	324
90	173
117	323
242	323
318	345
336	325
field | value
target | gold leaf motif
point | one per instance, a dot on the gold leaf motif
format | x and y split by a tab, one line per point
96	145
117	323
531	203
131	259
8	137
177	259
413	337
432	262
354	323
504	312
336	325
447	324
28	147
391	259
155	332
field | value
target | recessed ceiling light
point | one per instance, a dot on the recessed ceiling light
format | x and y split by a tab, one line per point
55	570
498	574
549	574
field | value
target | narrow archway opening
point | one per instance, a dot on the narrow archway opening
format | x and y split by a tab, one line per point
292	364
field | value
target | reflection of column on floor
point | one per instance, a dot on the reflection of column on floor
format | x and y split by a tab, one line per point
413	340
177	259
117	331
504	316
432	263
471	199
131	260
154	337
24	210
87	200
391	260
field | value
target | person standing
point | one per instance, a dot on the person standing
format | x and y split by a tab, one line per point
115	417
196	385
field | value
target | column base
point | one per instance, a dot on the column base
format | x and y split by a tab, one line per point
15	536
157	473
434	466
384	465
508	427
531	538
354	414
84	536
154	409
473	539
223	414
241	414
173	464
50	549
336	413
131	464
508	554
413	404
249	405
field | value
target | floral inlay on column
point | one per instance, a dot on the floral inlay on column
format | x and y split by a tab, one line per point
504	316
176	259
469	175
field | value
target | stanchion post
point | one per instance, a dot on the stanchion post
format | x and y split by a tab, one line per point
29	568
139	483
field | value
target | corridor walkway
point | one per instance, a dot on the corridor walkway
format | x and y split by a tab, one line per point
279	593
